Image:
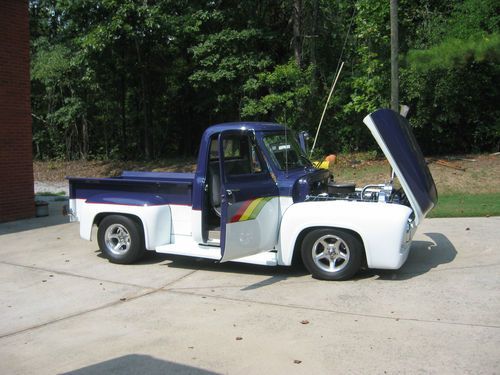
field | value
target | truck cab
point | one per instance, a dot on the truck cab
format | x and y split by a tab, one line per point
246	176
256	198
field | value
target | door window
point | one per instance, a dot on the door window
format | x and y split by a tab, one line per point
241	156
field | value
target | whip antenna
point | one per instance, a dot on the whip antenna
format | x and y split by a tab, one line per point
336	78
326	105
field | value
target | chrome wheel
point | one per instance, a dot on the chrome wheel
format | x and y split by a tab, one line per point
121	239
330	253
117	239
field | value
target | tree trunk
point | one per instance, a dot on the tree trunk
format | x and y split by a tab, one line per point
145	103
297	40
146	118
394	57
187	135
85	139
106	147
314	31
123	93
314	38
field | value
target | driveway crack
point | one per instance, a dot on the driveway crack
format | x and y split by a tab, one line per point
309	308
65	273
147	292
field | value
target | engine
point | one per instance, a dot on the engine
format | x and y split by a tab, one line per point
321	186
385	193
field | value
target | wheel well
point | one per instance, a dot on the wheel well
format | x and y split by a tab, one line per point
298	242
98	218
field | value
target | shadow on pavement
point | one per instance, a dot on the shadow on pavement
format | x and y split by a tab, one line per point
275	273
424	256
281	272
55	218
138	364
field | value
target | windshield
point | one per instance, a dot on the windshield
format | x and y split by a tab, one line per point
285	151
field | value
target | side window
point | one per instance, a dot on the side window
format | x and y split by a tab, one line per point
256	163
240	156
232	148
214	150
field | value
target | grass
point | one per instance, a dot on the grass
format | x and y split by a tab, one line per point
477	173
363	175
467	205
51	194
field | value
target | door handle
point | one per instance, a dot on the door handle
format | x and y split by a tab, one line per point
230	195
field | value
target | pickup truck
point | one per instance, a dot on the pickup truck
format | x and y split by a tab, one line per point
256	198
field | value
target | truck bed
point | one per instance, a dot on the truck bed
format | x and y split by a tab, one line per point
135	188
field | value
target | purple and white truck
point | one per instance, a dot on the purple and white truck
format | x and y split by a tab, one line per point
256	198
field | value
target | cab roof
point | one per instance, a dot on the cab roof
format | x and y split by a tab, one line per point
244	125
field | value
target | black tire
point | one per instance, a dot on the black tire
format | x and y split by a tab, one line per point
121	239
339	254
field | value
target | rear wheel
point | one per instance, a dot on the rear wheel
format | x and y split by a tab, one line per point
121	239
332	254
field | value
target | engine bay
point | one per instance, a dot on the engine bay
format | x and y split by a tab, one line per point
389	192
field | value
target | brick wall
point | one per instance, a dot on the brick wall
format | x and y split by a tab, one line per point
16	164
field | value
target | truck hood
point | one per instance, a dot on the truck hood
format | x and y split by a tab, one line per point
394	136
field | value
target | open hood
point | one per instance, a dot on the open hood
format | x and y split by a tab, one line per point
394	136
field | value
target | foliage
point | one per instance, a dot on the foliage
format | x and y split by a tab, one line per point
457	53
142	79
281	94
449	83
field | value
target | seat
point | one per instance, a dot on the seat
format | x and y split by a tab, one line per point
214	186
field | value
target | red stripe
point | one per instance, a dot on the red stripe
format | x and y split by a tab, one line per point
235	218
241	211
136	205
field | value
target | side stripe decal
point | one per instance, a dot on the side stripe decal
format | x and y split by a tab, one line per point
250	209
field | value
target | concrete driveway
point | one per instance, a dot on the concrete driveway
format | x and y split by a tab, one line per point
65	309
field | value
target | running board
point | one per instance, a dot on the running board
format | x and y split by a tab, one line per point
184	245
269	258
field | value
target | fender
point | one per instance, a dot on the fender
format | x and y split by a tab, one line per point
384	228
152	210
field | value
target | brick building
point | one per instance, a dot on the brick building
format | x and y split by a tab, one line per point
16	163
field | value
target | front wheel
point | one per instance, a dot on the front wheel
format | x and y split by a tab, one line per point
120	239
332	254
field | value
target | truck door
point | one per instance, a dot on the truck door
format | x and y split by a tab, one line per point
249	197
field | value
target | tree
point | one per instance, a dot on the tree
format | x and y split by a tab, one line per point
143	79
446	77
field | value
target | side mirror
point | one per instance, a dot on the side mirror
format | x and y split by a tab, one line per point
303	138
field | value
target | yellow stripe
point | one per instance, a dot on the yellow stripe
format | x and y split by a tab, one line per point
259	207
249	209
